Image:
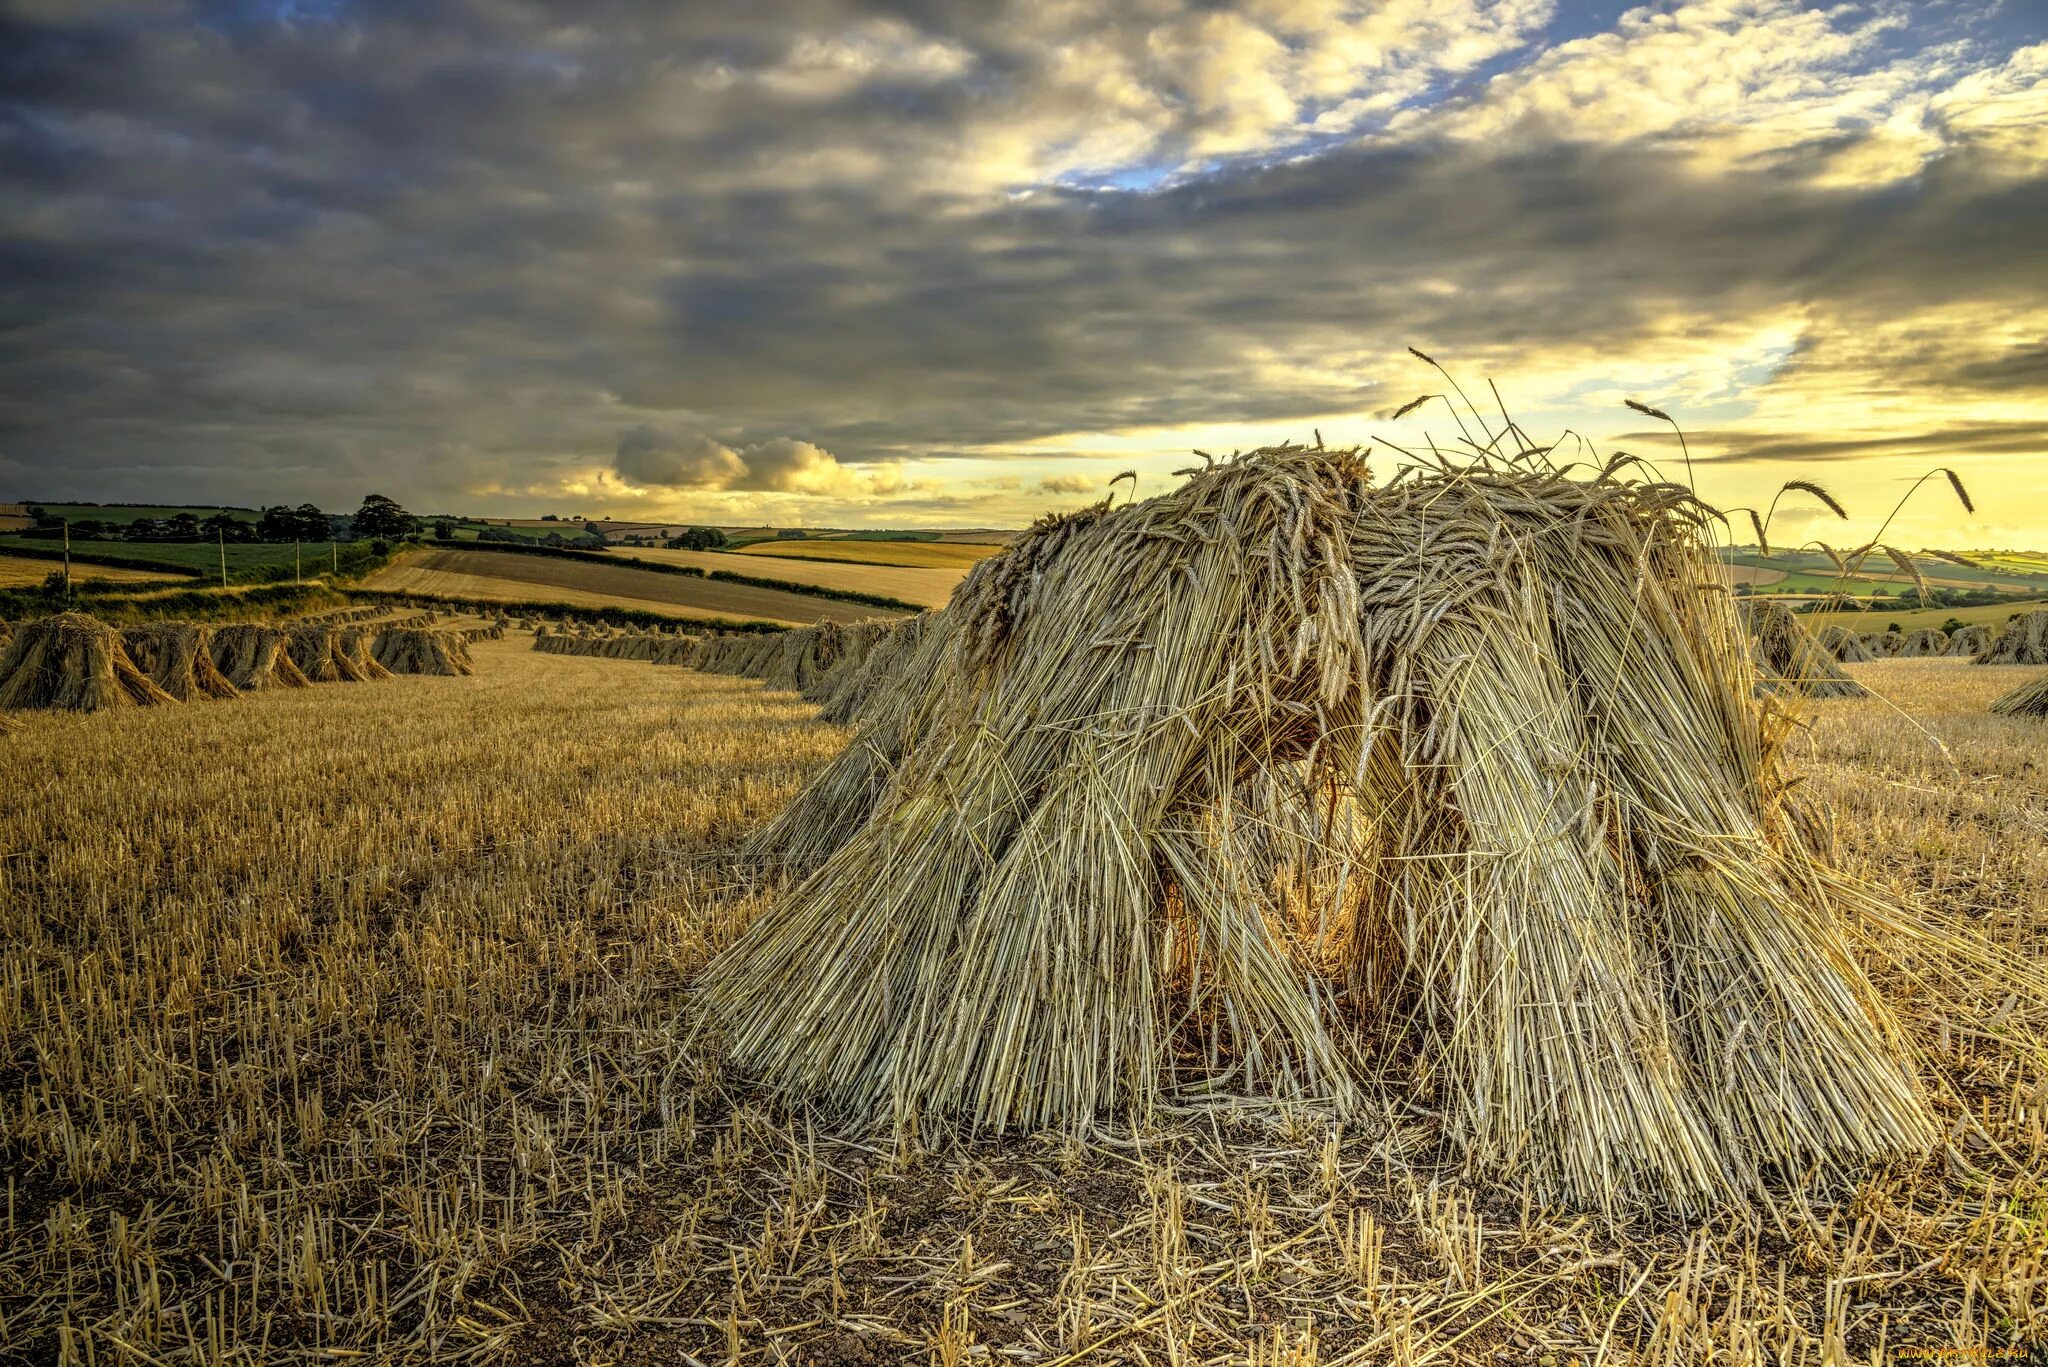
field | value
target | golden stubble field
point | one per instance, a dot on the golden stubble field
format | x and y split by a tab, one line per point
928	579
349	1025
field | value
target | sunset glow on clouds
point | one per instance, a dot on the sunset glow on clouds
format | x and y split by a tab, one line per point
857	264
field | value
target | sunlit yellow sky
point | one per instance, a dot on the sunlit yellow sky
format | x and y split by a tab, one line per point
846	263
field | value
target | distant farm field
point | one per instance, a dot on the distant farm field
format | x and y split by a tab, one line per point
951	555
927	587
509	577
246	561
1756	576
20	571
1878	618
128	512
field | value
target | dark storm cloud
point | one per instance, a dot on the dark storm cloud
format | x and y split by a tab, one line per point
462	247
650	457
1738	447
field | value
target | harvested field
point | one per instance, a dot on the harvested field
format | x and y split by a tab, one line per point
26	571
486	576
929	585
423	997
1992	615
931	555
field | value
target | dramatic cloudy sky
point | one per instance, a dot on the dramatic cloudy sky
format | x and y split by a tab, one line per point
888	262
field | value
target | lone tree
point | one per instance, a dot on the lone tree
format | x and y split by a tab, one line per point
383	519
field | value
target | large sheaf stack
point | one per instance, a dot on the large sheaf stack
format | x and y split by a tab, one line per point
1502	724
74	663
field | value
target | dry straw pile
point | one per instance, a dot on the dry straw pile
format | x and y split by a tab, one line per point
750	653
1788	657
320	654
252	656
1923	644
674	650
817	661
1268	783
1882	645
357	645
422	650
1845	645
630	645
178	657
853	693
2024	641
72	662
2028	700
1965	642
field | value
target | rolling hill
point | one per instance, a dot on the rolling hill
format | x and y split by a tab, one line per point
928	586
510	577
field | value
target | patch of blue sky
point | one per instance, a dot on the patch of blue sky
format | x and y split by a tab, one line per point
1137	178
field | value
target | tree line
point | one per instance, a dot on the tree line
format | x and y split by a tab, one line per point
380	519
